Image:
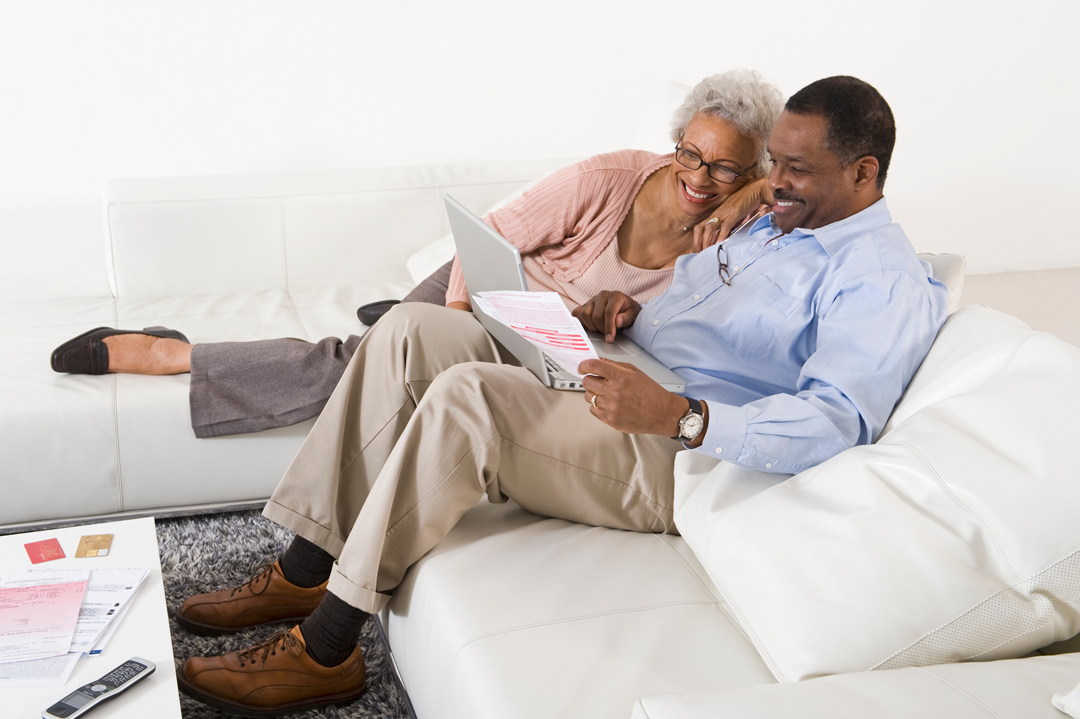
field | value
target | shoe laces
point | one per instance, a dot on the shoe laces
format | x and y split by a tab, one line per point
264	570
284	639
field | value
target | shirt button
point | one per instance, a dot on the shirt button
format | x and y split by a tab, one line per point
773	243
768	465
655	322
719	450
735	268
697	297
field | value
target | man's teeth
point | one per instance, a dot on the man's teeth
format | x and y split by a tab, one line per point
785	203
698	195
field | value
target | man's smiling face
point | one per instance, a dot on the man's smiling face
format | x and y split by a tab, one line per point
810	187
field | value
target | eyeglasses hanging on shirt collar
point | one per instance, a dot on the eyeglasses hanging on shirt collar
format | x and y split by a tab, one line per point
728	274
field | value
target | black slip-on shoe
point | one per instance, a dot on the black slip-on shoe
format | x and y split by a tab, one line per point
370	313
87	354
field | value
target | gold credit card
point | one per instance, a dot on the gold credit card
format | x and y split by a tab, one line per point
94	545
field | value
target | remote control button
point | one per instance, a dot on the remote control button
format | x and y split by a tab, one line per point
98	688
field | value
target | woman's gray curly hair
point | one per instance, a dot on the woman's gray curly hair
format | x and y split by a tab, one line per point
742	97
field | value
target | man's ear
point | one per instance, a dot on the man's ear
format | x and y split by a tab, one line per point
866	170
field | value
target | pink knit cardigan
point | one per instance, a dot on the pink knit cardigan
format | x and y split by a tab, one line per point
569	218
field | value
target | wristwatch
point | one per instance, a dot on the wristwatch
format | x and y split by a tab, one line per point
692	422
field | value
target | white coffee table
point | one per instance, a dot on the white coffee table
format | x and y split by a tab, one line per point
143	631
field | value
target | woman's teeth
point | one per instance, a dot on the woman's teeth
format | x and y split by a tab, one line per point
698	195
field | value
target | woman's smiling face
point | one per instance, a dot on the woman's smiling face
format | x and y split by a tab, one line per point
717	142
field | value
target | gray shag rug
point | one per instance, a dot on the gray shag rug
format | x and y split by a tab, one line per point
210	552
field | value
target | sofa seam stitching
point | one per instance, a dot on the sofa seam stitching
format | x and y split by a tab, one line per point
956	499
969	610
553	622
285	269
963	691
721	605
116	422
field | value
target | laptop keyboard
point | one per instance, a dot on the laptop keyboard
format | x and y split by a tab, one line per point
552	365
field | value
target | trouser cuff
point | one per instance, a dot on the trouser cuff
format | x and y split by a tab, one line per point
353	594
306	528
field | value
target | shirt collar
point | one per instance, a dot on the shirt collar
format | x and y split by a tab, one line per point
833	237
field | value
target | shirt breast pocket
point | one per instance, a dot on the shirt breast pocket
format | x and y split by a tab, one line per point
751	322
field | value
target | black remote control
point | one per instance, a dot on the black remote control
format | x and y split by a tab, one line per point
88	696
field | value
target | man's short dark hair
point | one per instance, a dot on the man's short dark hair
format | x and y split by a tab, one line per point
859	120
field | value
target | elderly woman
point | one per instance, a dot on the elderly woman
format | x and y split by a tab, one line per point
614	221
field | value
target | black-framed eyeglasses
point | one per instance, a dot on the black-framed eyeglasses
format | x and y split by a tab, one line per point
691	161
721	258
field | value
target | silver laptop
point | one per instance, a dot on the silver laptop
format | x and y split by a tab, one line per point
490	263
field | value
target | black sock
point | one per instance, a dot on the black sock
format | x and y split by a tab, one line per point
305	564
332	630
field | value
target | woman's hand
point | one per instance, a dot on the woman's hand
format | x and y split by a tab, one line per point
753	197
459	306
608	312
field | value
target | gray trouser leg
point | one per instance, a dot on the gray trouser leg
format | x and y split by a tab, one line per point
239	387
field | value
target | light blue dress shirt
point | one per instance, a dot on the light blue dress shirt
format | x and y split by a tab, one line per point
807	350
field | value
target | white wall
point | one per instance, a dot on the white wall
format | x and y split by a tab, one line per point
985	95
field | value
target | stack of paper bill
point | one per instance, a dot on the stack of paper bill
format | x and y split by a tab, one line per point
542	319
50	618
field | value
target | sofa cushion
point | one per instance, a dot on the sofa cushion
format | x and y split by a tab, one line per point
218	234
516	615
952	538
949	270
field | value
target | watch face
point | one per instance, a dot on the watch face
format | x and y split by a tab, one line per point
691	425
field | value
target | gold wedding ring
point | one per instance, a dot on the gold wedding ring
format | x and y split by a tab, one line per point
594	401
713	221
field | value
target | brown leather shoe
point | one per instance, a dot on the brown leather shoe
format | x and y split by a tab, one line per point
274	677
266	598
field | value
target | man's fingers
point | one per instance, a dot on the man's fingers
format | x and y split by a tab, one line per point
612	311
599	367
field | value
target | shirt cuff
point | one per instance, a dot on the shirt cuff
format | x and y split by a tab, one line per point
726	433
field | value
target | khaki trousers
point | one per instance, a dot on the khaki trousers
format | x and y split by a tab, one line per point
427	418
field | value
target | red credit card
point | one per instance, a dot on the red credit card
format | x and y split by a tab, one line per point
44	551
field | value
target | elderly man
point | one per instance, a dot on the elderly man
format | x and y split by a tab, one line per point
795	340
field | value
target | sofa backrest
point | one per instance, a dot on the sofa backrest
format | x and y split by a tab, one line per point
226	233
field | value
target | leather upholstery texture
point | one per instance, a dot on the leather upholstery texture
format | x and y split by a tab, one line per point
951	538
515	615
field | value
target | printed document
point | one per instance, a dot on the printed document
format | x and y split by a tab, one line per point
542	319
39	621
109	593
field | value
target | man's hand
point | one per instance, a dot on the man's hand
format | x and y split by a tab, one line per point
460	306
752	198
625	398
608	312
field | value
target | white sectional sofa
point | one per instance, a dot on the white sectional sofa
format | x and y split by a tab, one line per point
515	615
224	258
